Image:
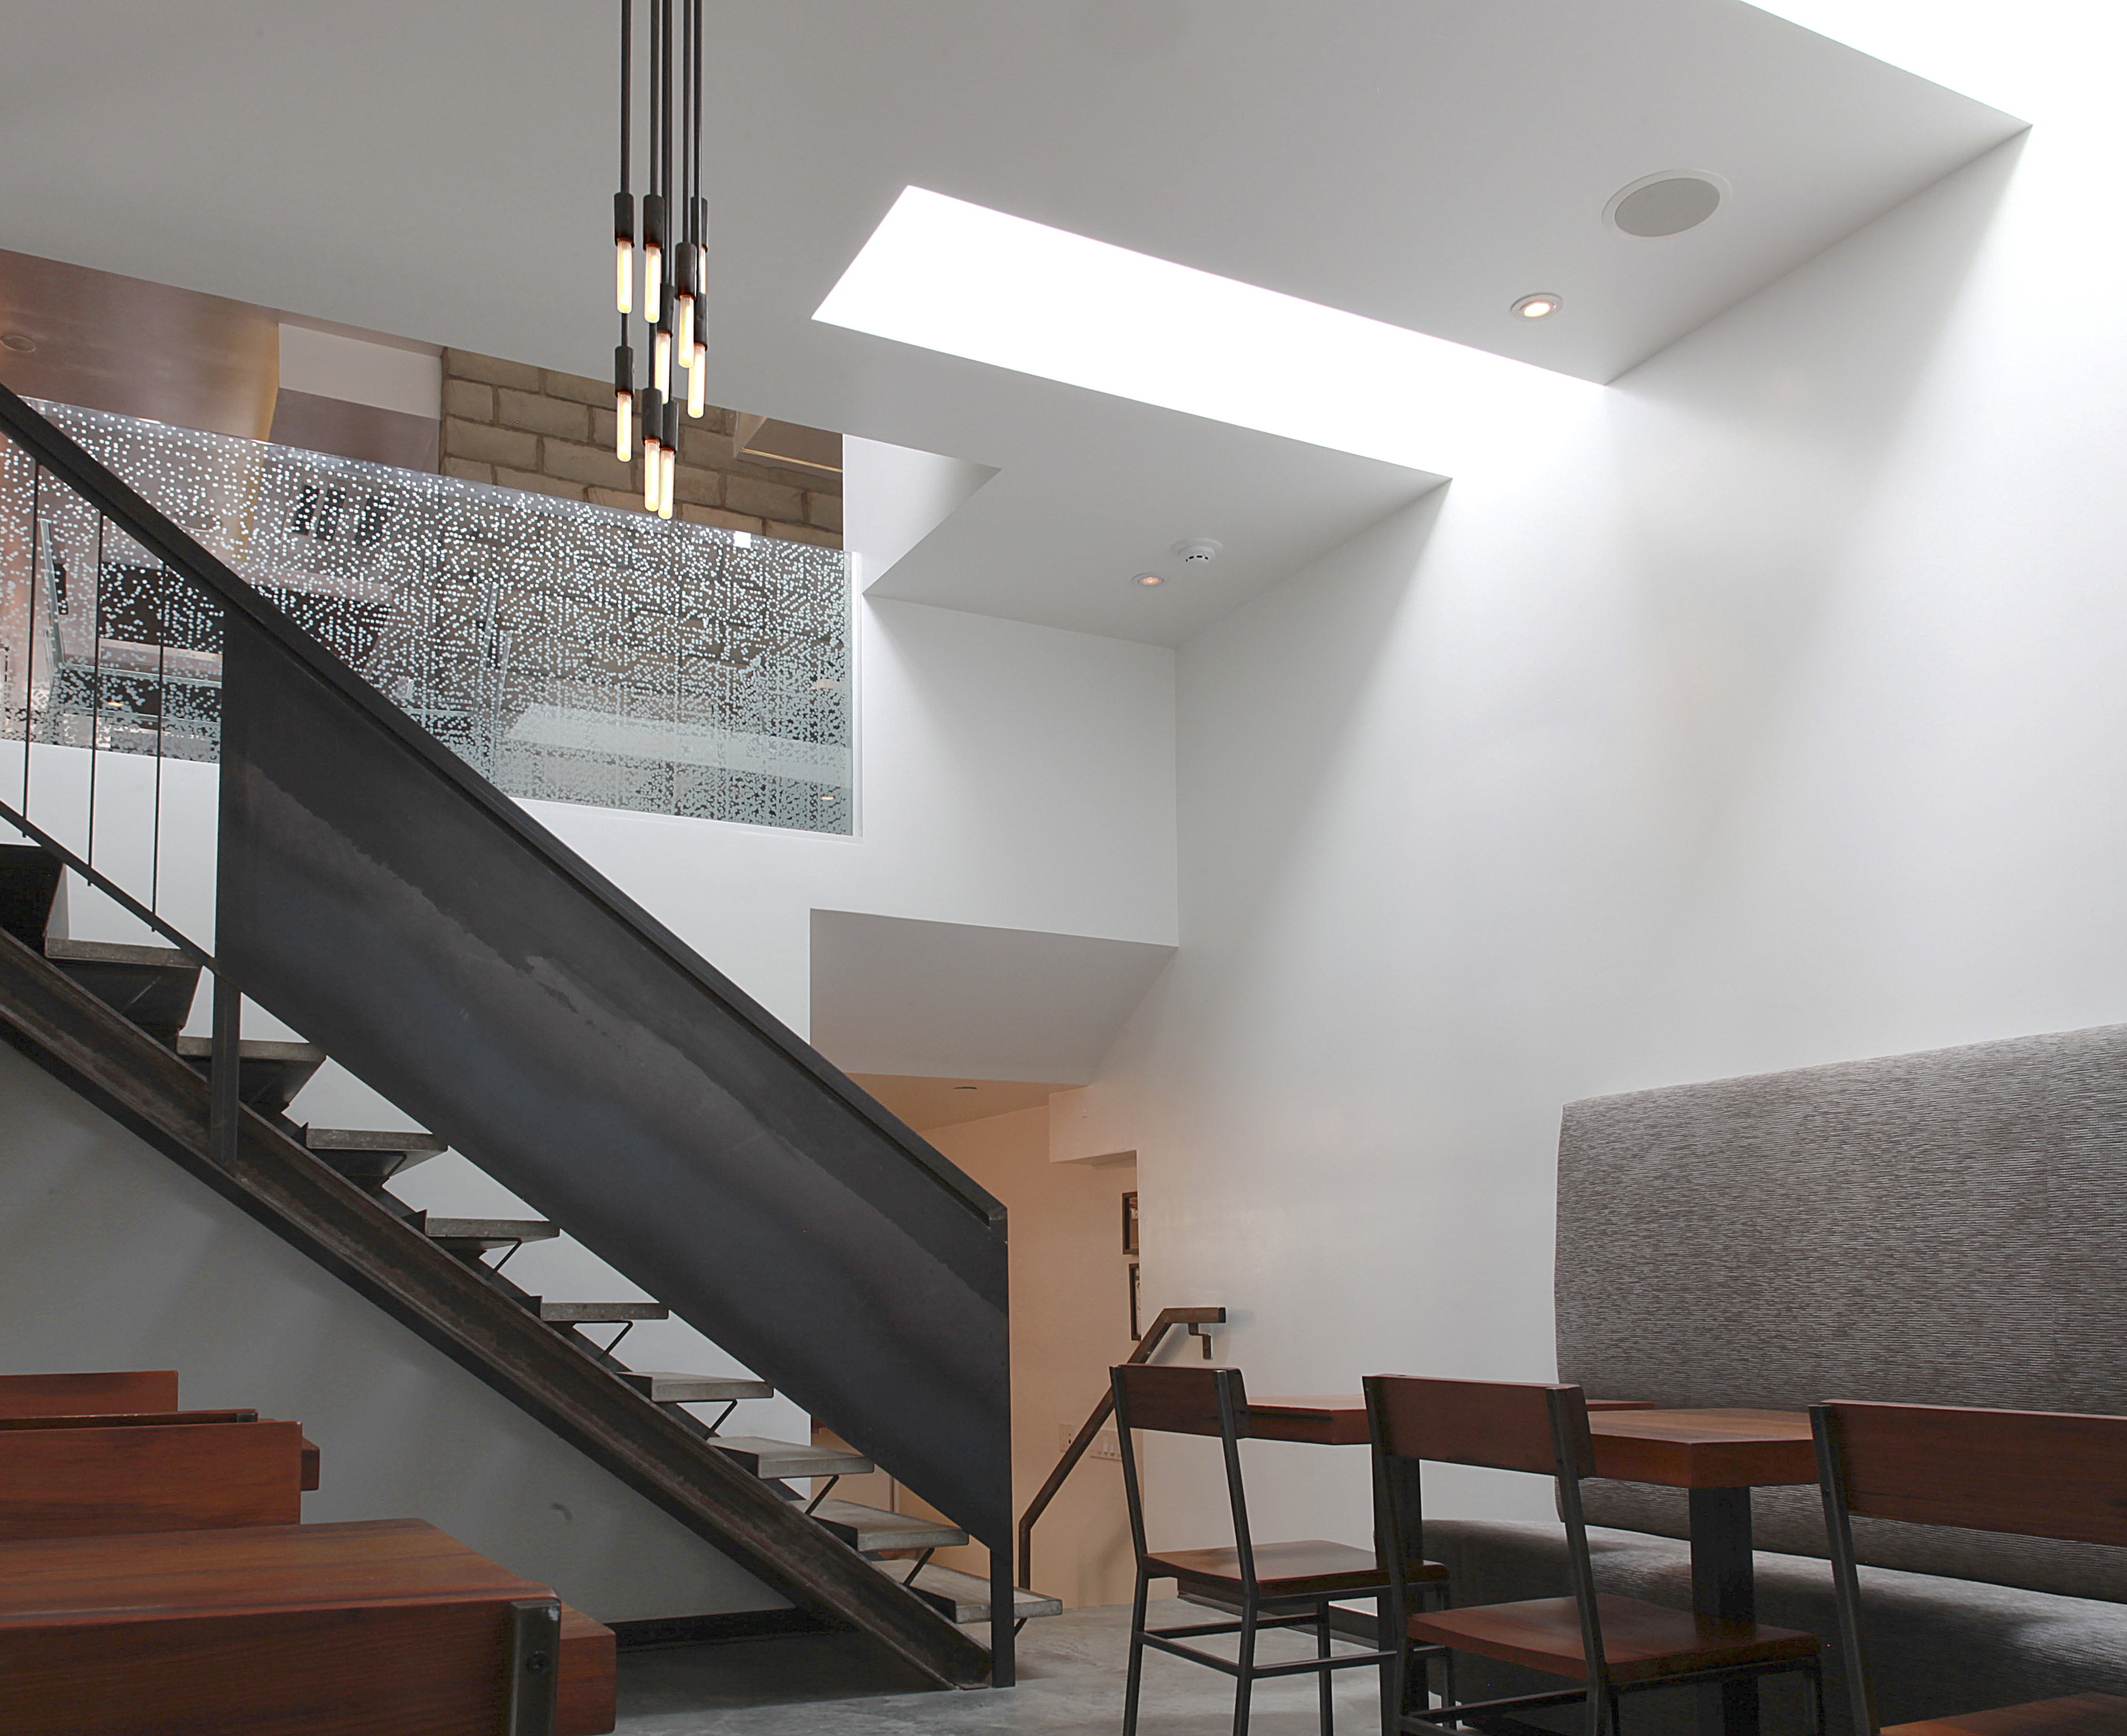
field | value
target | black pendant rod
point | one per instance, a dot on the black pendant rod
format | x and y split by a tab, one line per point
624	204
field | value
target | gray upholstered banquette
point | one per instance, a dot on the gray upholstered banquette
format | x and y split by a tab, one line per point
1948	1228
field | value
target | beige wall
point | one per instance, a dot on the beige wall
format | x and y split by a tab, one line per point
1071	1322
552	433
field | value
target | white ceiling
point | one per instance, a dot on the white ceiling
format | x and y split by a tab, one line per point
442	172
892	995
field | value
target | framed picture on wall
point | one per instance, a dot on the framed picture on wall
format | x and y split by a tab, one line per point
1129	1223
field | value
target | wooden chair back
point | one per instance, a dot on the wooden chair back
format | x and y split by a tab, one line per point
1183	1402
1542	1430
1178	1401
2033	1473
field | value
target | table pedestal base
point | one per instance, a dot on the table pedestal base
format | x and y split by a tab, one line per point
1724	1586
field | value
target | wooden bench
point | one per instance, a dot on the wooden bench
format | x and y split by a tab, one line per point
338	1630
139	1393
133	1396
73	1476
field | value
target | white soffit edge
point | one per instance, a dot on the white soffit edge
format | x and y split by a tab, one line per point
948	275
383	376
895	995
893	497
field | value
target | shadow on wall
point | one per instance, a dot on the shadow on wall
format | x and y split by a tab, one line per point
1265	739
1756	447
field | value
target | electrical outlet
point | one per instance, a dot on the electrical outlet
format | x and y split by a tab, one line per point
1104	1444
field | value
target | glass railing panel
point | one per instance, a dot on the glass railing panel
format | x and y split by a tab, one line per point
569	652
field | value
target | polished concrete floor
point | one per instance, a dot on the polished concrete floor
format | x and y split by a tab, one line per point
1070	1680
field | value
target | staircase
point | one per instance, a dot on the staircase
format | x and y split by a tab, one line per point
376	895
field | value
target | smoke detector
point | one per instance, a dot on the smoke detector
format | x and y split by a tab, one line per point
1196	551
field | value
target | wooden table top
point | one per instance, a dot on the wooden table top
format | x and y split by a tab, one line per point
1633	1443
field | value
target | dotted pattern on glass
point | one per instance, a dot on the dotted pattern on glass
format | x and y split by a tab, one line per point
569	652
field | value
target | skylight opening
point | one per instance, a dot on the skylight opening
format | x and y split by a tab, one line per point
947	276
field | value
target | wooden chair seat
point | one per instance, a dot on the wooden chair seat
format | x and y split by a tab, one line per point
1303	1569
1641	1641
2079	1714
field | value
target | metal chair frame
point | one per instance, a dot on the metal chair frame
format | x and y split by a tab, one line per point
1257	1612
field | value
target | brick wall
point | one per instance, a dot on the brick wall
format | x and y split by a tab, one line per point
552	433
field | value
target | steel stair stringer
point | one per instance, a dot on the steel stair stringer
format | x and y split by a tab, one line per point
146	1088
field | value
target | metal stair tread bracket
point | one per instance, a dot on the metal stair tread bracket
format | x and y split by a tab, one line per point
600	1313
664	1387
778	1459
868	1528
962	1598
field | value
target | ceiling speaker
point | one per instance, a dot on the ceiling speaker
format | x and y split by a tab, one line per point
1665	204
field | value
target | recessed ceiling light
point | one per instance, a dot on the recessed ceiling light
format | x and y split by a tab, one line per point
1658	206
1537	307
1148	580
963	1088
20	343
830	798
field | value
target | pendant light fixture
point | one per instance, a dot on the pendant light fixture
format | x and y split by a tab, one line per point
674	245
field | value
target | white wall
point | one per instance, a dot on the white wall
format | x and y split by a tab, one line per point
1778	719
1013	777
112	1257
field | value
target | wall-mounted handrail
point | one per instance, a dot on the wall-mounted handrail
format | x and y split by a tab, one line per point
1082	1442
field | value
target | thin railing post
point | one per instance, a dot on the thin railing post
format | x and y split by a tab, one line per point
1004	1630
223	1061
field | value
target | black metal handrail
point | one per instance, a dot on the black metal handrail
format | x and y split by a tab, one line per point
1082	1442
53	449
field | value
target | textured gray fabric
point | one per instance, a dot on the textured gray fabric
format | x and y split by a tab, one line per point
1937	1228
1937	1646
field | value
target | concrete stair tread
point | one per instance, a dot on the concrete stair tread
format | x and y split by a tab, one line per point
154	987
776	1459
66	952
364	1139
868	1528
370	1156
670	1386
500	1229
600	1313
254	1049
269	1073
963	1598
